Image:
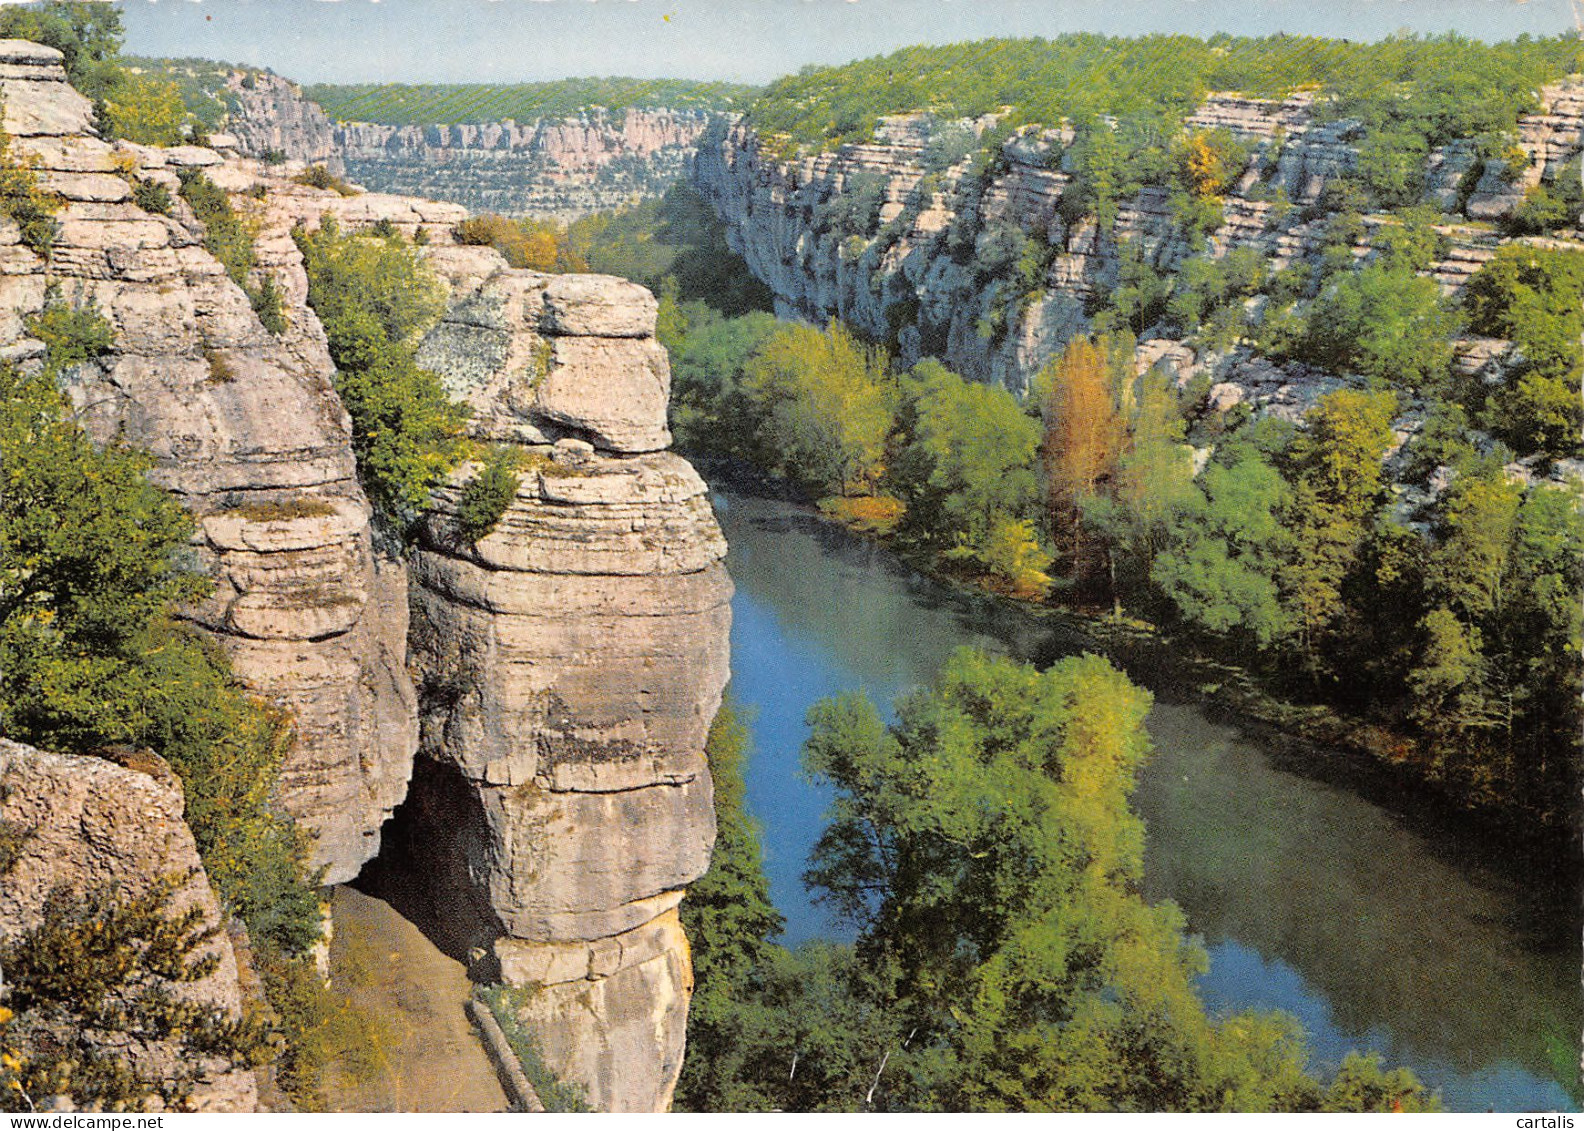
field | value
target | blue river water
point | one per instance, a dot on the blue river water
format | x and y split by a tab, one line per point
1377	935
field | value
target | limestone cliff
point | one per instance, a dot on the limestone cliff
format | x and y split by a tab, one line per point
246	429
557	168
909	274
553	168
269	115
571	662
92	824
567	665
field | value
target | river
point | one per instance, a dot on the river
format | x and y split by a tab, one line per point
1376	931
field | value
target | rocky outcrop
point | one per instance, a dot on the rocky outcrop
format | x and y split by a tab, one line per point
269	115
927	272
1548	140
88	825
551	168
570	662
246	429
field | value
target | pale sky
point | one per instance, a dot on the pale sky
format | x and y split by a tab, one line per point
740	40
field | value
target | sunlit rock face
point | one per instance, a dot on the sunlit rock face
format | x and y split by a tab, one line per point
917	274
93	825
245	429
570	663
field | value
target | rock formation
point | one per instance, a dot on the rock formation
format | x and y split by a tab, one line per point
246	429
550	168
93	824
570	664
910	276
269	115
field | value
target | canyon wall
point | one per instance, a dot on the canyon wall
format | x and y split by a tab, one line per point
245	428
555	680
551	168
270	116
915	273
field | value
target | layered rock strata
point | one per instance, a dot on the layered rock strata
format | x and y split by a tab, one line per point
551	168
269	115
246	430
917	274
571	661
88	824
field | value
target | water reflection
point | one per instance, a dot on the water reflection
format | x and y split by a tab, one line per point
1309	897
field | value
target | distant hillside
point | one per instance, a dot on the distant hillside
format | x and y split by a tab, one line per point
398	104
1441	87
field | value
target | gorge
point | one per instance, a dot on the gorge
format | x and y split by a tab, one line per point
538	727
500	727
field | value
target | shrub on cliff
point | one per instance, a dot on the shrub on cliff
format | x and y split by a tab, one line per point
537	245
319	177
145	110
487	495
29	207
94	984
376	298
230	239
92	559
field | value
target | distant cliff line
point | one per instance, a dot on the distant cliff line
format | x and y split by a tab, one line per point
571	161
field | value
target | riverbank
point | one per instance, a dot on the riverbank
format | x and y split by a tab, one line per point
1313	739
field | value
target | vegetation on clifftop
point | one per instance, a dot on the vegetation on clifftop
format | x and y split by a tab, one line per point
1421	91
375	299
427	104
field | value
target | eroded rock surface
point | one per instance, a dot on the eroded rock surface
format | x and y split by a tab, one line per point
571	661
900	280
89	825
246	429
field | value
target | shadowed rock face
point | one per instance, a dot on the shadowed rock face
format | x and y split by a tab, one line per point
570	664
246	429
93	825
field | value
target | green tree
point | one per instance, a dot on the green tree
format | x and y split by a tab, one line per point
968	468
1222	561
1533	296
985	847
711	410
1382	321
730	923
1152	491
145	110
375	299
1336	493
826	403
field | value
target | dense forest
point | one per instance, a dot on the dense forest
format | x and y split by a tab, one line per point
1437	88
433	104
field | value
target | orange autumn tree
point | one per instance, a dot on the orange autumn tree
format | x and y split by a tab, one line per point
1085	431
